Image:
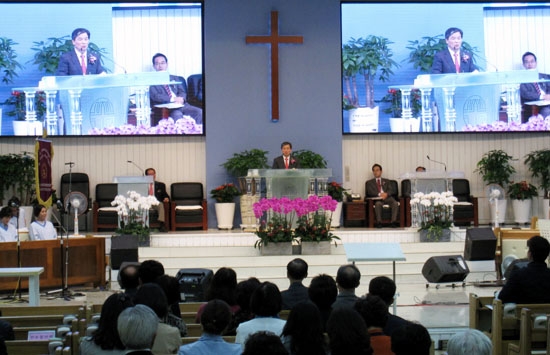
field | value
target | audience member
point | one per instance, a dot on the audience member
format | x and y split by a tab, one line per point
286	160
469	342
381	190
411	339
6	333
296	272
420	169
137	327
223	287
18	218
171	288
453	59
303	331
323	291
41	229
161	195
530	284
149	270
264	343
214	320
8	233
347	333
384	287
106	339
80	60
347	279
375	313
167	339
266	305
534	91
174	93
128	278
244	290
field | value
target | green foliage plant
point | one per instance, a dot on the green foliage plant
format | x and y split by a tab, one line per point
495	167
538	163
8	62
309	159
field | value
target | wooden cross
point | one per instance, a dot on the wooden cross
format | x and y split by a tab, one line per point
273	39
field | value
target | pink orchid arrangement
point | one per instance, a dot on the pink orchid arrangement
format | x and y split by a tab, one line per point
535	123
185	125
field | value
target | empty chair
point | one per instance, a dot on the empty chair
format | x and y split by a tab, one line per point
188	208
105	214
465	210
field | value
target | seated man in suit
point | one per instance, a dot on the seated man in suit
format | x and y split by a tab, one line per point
163	94
534	91
452	59
161	195
380	189
286	161
80	61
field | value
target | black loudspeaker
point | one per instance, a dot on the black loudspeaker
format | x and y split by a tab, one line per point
193	284
481	244
123	248
447	268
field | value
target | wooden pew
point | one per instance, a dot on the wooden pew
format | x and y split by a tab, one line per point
77	309
190	306
532	340
480	312
189	340
34	321
194	330
24	347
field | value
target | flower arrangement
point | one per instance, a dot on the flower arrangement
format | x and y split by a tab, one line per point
522	190
17	100
394	98
133	214
225	193
435	212
314	218
275	224
336	191
184	125
535	123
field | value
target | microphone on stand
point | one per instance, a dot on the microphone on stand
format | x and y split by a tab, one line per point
485	60
116	64
438	162
137	166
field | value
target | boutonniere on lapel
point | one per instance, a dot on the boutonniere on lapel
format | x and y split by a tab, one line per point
91	59
292	161
465	57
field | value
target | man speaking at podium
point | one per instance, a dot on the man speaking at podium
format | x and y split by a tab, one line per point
80	61
286	160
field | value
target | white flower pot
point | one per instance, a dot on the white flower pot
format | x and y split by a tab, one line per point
363	120
24	128
335	222
404	125
522	210
224	214
545	208
501	210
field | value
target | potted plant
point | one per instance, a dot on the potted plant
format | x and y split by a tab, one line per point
133	215
18	175
22	127
538	163
309	159
495	168
275	226
521	194
395	110
225	204
8	64
371	58
314	222
337	192
435	211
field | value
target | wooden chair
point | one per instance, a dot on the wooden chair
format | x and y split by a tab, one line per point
386	210
534	338
188	208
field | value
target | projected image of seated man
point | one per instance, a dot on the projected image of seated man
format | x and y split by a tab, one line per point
534	91
174	93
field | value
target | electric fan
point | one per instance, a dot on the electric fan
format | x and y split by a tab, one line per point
78	205
506	262
497	200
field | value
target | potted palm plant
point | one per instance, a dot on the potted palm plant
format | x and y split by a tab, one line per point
365	59
538	163
495	168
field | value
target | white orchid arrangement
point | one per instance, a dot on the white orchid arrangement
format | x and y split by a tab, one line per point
433	212
133	213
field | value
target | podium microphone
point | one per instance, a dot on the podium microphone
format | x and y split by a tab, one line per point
116	64
438	162
137	166
486	61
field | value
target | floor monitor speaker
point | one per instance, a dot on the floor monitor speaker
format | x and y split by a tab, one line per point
194	283
123	248
446	268
480	244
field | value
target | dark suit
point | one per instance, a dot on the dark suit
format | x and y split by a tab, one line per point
528	92
530	284
295	294
443	63
69	64
160	195
371	190
158	95
279	163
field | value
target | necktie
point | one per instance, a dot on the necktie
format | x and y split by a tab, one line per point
168	91
537	87
457	63
286	163
151	190
378	185
83	63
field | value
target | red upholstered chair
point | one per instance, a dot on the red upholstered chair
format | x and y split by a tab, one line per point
386	210
188	208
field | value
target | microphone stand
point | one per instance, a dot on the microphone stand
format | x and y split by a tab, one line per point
65	294
14	298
